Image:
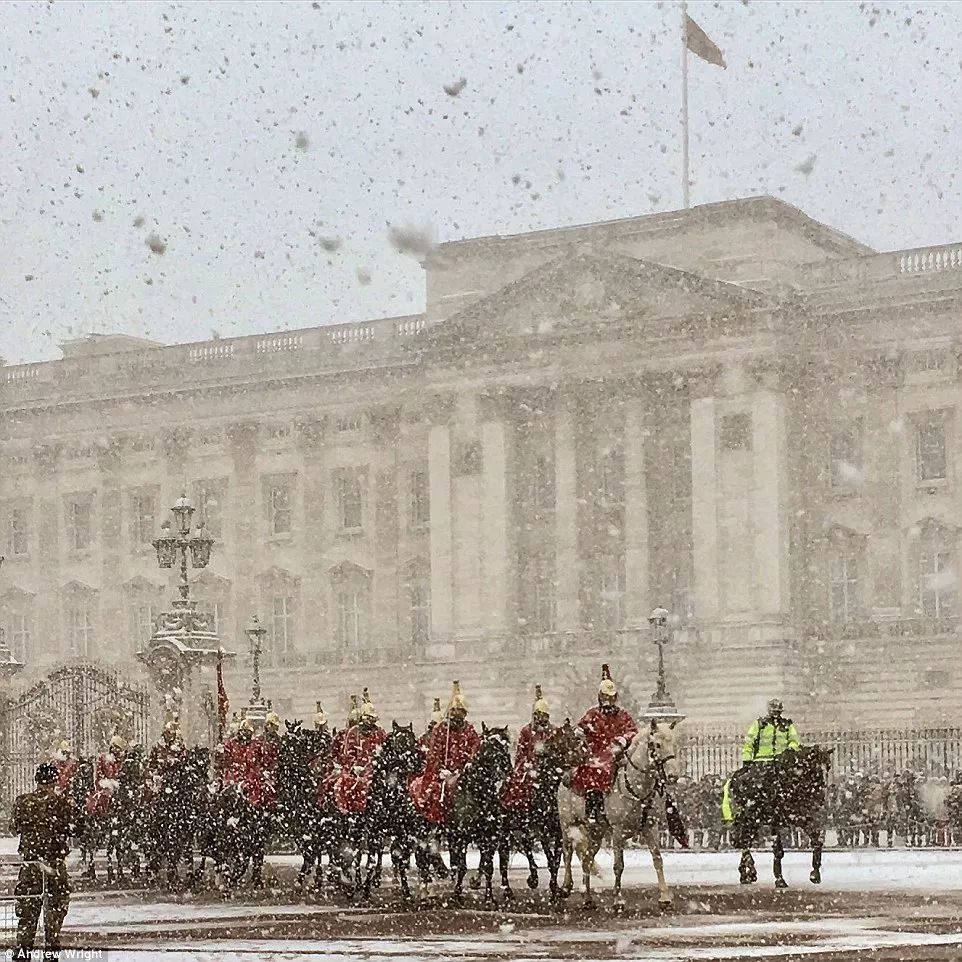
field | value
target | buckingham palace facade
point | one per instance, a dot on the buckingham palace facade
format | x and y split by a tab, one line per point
734	412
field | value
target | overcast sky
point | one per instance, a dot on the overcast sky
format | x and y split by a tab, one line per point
235	137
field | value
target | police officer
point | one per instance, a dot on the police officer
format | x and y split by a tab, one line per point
45	821
769	737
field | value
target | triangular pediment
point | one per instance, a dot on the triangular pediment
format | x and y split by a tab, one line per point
578	288
141	585
14	595
78	588
276	575
213	581
348	571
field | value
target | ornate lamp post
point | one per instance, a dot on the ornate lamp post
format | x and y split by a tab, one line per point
183	637
255	631
662	706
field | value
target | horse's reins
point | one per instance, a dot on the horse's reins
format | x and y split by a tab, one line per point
656	765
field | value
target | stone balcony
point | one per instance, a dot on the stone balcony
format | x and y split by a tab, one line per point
315	350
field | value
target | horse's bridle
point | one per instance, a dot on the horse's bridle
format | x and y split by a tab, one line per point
656	764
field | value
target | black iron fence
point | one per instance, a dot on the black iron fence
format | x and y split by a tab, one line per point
927	751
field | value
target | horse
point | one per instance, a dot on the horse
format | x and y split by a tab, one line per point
391	815
641	782
177	818
298	815
789	791
477	814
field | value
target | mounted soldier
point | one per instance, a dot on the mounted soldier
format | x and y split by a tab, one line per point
521	784
437	716
260	777
166	755
606	731
107	771
452	746
358	751
66	763
230	758
321	759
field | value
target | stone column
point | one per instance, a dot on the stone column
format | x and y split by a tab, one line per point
704	514
314	630
439	480
244	437
496	565
770	497
566	517
636	516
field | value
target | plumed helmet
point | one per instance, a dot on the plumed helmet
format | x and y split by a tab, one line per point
320	719
170	728
246	725
118	742
354	715
540	706
273	720
64	746
457	698
437	716
607	686
775	706
368	711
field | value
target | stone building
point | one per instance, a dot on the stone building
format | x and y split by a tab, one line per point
732	411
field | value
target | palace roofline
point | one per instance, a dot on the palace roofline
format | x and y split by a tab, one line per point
670	221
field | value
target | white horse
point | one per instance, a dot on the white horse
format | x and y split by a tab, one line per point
631	807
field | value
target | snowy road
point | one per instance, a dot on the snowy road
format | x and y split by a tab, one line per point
880	904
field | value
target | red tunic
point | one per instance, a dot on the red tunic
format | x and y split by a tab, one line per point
600	729
261	767
66	769
228	762
519	791
449	750
106	770
322	767
353	784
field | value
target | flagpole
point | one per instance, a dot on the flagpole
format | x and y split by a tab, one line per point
685	178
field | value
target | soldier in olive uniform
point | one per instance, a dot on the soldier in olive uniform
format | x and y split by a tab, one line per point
45	820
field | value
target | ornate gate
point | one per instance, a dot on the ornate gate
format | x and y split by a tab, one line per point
80	703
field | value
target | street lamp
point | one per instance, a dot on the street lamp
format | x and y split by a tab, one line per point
661	707
257	711
178	541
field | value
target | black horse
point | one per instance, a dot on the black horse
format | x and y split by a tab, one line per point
477	814
540	823
177	818
299	818
390	815
124	824
786	793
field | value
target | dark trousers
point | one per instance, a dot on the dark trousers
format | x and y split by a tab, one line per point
29	895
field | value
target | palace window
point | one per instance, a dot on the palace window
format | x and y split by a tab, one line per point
282	623
351	606
18	531
420	499
278	508
146	616
930	449
937	579
143	506
80	629
612	591
350	504
419	598
209	499
19	629
543	598
611	478
79	528
845	582
542	484
736	432
845	457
